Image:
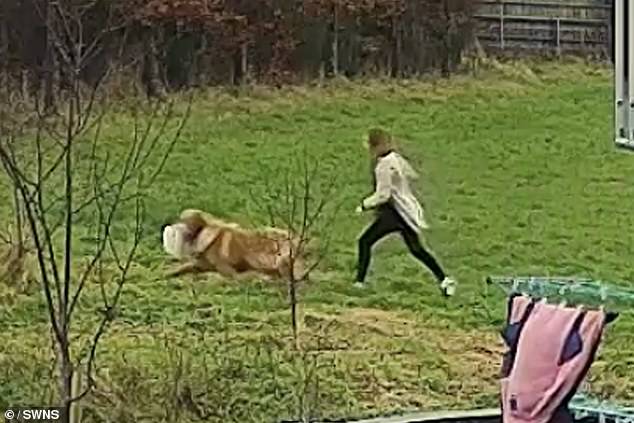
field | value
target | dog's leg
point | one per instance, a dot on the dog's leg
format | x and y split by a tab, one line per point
302	270
225	270
253	275
190	267
265	277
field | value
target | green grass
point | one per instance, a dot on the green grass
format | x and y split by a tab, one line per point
519	176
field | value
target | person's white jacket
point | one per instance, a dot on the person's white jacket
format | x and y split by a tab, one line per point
393	173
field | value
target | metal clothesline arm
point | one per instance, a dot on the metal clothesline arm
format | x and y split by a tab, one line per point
577	290
585	406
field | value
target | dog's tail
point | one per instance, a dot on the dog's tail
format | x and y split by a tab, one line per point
275	233
208	218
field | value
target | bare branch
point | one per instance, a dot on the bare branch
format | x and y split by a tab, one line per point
16	170
298	202
110	307
171	144
108	187
41	217
66	27
9	167
104	223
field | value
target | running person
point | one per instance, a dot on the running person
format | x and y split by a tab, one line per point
397	210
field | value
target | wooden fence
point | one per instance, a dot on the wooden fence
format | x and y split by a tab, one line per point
545	27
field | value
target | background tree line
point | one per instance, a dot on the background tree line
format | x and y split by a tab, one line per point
174	44
60	59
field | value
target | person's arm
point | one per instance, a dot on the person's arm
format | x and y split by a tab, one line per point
408	170
383	189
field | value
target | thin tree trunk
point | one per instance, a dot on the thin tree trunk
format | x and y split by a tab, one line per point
293	298
151	74
240	65
200	67
17	204
335	40
446	54
244	62
4	53
49	61
75	412
66	371
24	84
396	49
322	72
65	379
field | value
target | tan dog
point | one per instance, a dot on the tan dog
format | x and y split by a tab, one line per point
207	243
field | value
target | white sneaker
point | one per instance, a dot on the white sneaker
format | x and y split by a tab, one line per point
448	286
359	285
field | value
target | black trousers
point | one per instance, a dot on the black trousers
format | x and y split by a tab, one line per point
389	221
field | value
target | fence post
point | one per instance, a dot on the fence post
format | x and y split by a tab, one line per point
558	35
502	25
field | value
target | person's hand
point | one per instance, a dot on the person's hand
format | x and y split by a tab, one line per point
358	210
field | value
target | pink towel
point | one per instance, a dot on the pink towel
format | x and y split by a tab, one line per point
553	352
518	307
518	312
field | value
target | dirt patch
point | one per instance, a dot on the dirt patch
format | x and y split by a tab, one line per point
401	358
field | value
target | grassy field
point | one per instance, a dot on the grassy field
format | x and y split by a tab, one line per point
519	176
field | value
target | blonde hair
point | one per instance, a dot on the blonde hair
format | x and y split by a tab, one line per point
379	141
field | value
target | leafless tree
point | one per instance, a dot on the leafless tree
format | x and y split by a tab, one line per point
67	177
299	196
